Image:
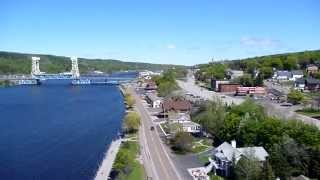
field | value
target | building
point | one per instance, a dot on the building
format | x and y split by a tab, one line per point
296	75
153	100
224	155
185	121
312	84
300	84
282	75
215	84
177	105
312	69
234	74
227	88
242	91
191	127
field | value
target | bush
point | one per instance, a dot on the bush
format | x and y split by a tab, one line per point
295	97
182	142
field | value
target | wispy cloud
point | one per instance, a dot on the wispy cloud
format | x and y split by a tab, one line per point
260	42
171	46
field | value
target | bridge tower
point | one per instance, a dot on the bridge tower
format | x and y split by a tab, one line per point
75	68
35	69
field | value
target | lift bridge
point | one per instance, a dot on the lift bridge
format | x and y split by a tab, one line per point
74	75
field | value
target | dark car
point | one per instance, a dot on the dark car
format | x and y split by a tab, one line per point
151	128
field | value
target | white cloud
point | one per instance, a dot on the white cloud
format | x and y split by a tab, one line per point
171	46
260	42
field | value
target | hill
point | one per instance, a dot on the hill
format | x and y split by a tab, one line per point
20	63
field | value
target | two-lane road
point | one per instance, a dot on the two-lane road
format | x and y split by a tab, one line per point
158	164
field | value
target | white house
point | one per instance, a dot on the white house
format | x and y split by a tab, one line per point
296	75
153	100
185	121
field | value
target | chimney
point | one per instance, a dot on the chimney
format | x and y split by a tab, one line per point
234	143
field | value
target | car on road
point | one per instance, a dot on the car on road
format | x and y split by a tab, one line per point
152	128
286	104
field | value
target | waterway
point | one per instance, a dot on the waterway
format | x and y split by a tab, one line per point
56	131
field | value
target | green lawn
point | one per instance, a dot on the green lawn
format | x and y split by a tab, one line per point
204	159
137	172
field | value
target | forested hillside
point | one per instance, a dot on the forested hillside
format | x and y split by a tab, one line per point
263	64
20	63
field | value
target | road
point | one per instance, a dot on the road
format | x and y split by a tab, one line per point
191	87
157	162
271	108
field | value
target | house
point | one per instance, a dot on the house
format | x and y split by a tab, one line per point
185	121
312	69
297	74
234	74
191	127
312	84
153	100
226	154
177	105
282	75
300	84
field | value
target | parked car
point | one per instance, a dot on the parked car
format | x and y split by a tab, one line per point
286	104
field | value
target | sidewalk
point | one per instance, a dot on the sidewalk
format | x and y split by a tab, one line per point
106	165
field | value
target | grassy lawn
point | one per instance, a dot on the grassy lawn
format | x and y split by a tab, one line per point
137	171
201	144
204	158
309	112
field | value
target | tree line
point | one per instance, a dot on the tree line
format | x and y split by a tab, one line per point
19	63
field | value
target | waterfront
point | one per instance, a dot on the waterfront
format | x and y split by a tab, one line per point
57	131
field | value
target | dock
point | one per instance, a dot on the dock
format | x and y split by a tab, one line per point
106	165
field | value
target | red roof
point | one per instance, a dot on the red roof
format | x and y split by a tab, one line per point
176	105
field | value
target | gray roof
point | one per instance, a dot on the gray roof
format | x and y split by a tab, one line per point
284	73
153	97
297	72
258	152
225	150
312	81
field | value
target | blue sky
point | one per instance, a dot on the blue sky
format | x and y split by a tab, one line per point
164	31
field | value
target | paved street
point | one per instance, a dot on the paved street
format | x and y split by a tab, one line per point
157	163
190	87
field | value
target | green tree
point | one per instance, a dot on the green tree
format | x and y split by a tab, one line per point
248	168
266	72
131	122
129	99
123	161
182	142
295	96
211	117
246	80
267	172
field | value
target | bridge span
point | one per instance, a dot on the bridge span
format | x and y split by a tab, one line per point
37	76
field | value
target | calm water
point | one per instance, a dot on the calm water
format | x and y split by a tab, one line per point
56	131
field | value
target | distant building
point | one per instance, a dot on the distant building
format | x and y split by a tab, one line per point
215	84
242	91
177	105
288	75
224	155
228	88
234	74
153	100
310	84
282	75
297	74
312	69
185	121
